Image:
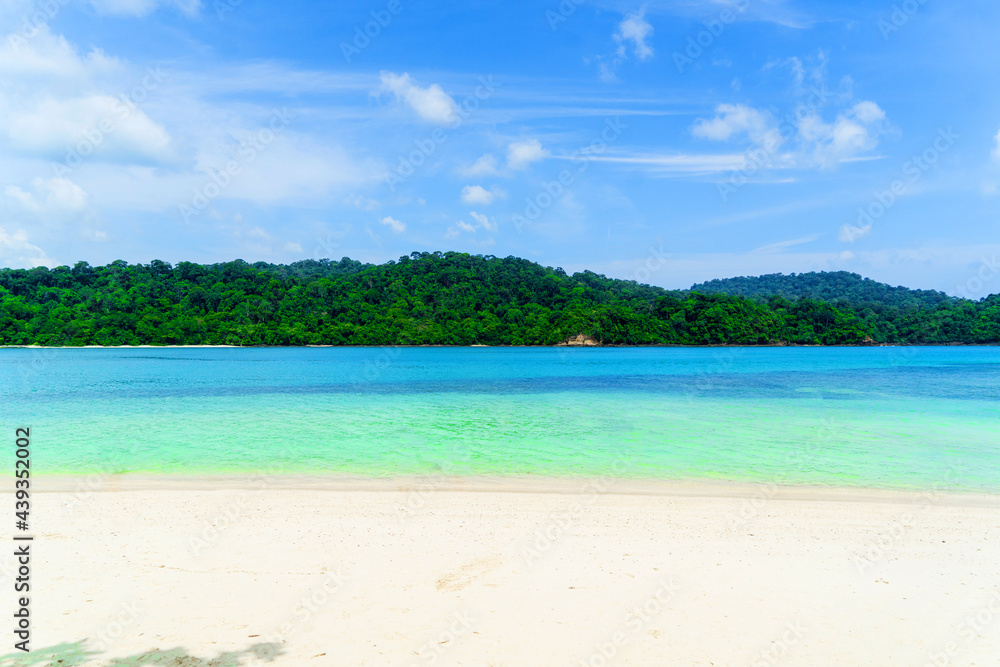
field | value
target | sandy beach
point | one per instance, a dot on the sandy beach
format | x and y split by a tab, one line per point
518	572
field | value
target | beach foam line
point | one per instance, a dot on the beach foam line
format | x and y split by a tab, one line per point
614	486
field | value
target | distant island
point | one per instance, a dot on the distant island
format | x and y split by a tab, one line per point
456	298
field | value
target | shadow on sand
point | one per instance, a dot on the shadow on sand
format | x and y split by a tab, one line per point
71	655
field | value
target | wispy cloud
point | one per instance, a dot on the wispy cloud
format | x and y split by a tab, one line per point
430	103
782	245
675	163
140	8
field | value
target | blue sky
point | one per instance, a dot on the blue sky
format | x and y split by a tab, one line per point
671	142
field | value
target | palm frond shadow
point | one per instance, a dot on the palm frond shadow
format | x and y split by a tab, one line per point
76	654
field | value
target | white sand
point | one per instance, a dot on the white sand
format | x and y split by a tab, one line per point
506	574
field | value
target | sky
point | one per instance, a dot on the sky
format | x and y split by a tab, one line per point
670	141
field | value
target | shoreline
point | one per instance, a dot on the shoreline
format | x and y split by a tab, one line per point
481	345
552	486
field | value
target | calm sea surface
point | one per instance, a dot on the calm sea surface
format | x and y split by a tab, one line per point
874	417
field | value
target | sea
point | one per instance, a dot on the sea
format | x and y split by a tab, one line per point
869	417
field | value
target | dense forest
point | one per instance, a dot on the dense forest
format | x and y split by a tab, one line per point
460	299
833	287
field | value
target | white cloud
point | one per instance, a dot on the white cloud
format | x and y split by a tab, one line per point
868	112
363	203
431	103
734	119
635	29
396	226
852	133
521	154
50	195
293	247
678	163
50	125
779	246
484	166
143	7
851	233
481	222
52	104
477	194
52	57
17	253
995	153
484	221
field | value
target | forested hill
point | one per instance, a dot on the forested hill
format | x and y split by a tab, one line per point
836	286
438	299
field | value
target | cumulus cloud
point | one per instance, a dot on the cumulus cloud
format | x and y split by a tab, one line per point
17	253
521	154
635	29
50	195
432	104
477	194
50	106
817	143
396	226
101	126
735	119
852	133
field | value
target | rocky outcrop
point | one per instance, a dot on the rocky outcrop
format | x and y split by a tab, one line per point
580	341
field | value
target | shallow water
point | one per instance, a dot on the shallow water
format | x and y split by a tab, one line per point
874	417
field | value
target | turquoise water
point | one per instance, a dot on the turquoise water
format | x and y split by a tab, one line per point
874	417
